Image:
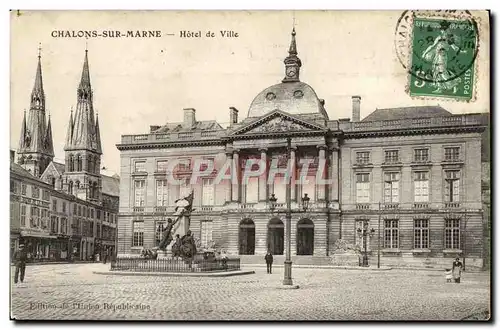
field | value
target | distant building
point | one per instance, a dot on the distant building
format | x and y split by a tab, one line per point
62	211
422	164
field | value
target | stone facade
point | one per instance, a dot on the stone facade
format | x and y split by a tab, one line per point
416	169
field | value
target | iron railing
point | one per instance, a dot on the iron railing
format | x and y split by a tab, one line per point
174	265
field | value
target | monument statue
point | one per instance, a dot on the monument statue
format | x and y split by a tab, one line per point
184	247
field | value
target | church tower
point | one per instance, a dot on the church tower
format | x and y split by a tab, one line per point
83	152
292	62
36	149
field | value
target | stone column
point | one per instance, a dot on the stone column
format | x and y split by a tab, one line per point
235	176
322	160
293	177
333	174
229	187
263	176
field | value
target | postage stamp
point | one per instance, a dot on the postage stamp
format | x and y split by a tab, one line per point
441	54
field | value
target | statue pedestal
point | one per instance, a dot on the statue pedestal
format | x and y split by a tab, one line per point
345	259
163	254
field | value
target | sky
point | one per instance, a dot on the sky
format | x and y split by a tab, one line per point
139	82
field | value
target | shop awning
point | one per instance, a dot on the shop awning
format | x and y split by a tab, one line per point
26	233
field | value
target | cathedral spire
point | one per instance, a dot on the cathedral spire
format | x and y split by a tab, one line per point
98	135
22	138
69	132
38	95
292	62
85	79
48	143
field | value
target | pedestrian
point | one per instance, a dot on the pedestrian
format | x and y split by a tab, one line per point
448	275
105	257
269	261
20	257
457	270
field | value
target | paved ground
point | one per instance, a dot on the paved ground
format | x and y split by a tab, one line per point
74	292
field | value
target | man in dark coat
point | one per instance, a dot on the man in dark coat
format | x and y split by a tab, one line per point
20	257
457	270
269	262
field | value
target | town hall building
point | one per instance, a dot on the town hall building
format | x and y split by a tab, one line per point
411	174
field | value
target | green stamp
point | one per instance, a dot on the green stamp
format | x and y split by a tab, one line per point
443	53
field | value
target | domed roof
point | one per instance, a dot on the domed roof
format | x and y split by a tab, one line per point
292	97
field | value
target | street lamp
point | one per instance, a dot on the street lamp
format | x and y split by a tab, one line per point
272	202
364	233
305	202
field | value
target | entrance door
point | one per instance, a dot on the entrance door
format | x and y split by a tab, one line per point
305	237
276	236
247	237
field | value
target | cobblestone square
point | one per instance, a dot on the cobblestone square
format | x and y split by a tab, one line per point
75	292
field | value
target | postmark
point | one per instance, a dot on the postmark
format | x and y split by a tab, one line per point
438	49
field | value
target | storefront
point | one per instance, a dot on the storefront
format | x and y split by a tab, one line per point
38	244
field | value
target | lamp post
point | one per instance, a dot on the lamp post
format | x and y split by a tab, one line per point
287	279
364	233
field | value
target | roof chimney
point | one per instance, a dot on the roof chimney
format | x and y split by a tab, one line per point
233	116
12	156
189	117
356	108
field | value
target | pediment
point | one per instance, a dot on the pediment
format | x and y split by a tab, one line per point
278	122
50	172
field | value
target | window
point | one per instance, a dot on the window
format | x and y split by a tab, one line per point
421	155
74	209
308	187
53	224
11	212
138	233
391	234
363	157
98	231
88	212
206	233
54	205
279	188
421	187
184	188
159	225
64	207
140	166
451	153
79	210
184	165
391	187
13	186
363	187
98	214
421	233
35	192
391	156
23	189
452	186
46	195
208	192
251	189
452	234
360	238
139	192
64	225
23	215
161	166
161	193
92	213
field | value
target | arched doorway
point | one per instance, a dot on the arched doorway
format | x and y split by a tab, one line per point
247	237
305	237
276	236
